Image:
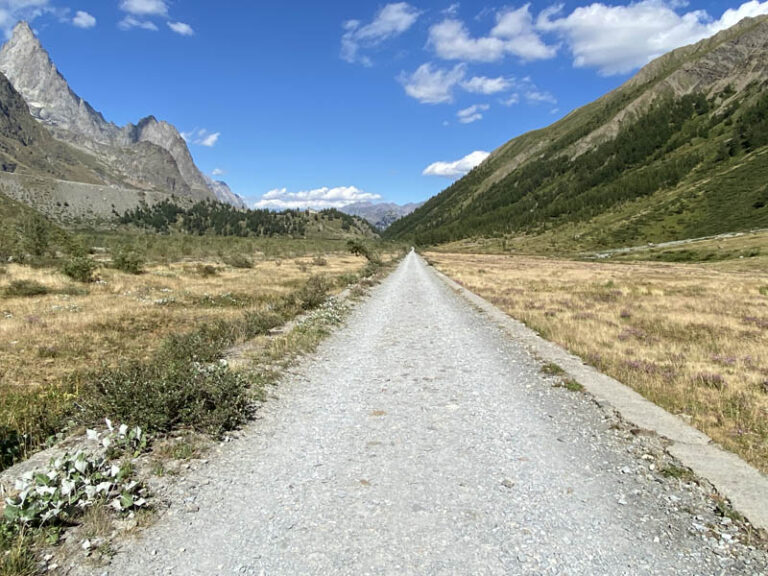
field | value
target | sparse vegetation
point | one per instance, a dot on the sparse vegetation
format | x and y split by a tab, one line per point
80	269
57	344
693	338
552	369
678	472
128	261
569	384
25	288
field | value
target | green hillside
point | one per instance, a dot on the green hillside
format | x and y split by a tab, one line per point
24	232
672	154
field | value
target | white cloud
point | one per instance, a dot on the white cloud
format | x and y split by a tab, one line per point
535	96
618	39
144	7
511	100
318	199
391	21
431	85
217	172
452	10
514	34
484	85
457	167
201	137
517	30
472	114
181	28
83	20
209	140
130	22
451	41
11	11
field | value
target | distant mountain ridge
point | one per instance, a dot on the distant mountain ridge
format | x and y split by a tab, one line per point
381	214
150	155
680	150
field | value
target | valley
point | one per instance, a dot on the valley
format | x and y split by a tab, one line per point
189	385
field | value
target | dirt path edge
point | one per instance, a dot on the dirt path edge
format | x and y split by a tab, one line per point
745	486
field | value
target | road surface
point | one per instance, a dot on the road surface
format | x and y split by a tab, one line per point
420	439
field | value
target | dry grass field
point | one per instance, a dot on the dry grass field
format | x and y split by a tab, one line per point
691	337
46	340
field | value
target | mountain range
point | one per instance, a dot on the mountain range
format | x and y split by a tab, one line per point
678	151
99	167
380	214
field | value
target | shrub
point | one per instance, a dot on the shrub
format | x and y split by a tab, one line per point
357	248
79	268
238	261
25	288
260	323
207	270
314	292
11	446
162	396
319	261
129	262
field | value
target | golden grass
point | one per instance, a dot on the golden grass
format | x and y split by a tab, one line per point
45	339
691	338
124	316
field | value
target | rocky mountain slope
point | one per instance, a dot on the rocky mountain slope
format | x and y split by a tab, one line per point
680	150
381	214
224	193
150	155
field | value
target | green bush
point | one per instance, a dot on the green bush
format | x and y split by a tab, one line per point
314	292
260	323
238	261
161	397
11	446
19	288
357	248
129	261
80	269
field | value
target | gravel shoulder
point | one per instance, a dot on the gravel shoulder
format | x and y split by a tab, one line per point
420	439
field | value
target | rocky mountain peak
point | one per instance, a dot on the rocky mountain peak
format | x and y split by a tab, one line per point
25	62
23	33
29	68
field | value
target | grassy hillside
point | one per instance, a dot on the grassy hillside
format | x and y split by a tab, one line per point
25	233
671	154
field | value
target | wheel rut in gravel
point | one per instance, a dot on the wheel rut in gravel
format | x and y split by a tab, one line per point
420	439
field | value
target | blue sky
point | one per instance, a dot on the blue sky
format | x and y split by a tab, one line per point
324	103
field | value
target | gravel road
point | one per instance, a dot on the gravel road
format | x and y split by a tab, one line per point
421	440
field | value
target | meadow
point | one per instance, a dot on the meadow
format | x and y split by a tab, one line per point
58	334
691	337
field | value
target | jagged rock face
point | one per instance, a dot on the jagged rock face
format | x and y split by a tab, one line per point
148	155
166	136
225	194
29	68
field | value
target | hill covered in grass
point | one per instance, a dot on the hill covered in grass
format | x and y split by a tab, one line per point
678	151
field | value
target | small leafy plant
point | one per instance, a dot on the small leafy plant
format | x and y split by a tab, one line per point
80	269
71	484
